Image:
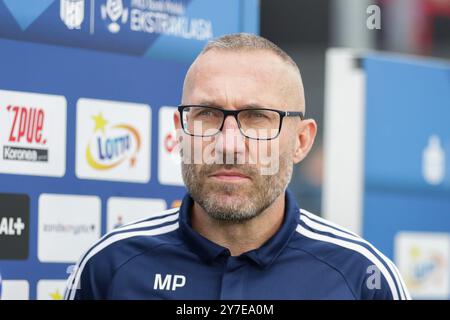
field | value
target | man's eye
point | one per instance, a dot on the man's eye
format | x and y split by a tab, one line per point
206	113
257	114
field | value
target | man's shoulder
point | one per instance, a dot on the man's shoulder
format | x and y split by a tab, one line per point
325	239
134	238
346	252
97	266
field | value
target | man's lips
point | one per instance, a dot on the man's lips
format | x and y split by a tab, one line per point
229	175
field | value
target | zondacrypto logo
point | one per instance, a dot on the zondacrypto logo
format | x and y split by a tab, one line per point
26	140
112	144
69	228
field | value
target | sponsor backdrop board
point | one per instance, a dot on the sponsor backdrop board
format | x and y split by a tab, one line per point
168	29
86	123
390	181
407	168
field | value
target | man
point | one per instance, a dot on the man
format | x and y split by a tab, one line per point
238	233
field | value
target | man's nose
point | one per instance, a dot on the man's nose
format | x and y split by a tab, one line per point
230	140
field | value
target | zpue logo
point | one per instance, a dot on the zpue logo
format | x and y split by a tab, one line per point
114	11
111	145
27	127
33	133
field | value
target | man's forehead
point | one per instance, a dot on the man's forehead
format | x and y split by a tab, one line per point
260	67
231	77
251	60
234	92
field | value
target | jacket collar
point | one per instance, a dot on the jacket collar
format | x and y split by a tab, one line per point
263	256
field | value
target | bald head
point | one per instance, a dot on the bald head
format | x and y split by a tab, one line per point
239	62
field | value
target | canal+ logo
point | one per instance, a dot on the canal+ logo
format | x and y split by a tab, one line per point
112	144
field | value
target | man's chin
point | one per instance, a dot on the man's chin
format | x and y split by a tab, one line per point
228	196
226	190
227	208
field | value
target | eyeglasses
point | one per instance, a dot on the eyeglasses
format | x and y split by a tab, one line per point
254	123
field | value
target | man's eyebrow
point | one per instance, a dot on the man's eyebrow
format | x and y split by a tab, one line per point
210	103
255	106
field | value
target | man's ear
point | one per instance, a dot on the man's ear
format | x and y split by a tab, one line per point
178	130
304	140
177	123
176	119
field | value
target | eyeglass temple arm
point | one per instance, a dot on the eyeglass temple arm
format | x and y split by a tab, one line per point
294	114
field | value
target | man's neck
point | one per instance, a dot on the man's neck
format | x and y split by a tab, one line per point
240	237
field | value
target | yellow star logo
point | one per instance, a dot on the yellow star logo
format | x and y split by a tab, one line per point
100	122
56	295
414	252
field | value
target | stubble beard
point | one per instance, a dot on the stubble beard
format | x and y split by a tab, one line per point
236	202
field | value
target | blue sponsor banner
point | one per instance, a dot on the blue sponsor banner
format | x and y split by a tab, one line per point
407	149
407	128
407	169
168	29
74	74
44	75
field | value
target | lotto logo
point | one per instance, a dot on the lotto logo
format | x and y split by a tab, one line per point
113	140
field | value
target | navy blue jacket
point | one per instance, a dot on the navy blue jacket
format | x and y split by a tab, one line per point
164	258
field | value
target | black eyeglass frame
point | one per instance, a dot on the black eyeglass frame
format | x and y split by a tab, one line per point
235	113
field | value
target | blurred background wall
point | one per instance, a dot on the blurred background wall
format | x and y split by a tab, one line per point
306	28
